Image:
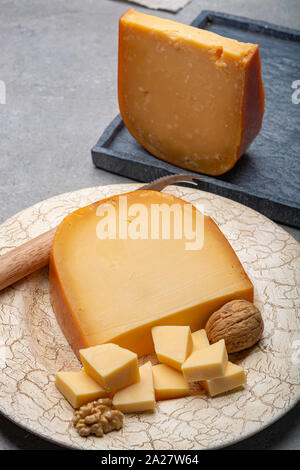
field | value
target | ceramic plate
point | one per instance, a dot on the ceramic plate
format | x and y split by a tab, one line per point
33	348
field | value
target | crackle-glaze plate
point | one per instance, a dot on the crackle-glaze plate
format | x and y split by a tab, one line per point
33	348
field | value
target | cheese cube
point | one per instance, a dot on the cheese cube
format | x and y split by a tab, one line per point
172	344
110	365
200	340
169	383
139	396
78	387
233	378
207	363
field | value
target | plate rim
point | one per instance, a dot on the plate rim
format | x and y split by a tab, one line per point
230	442
220	446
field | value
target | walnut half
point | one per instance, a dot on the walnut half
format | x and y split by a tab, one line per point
238	322
97	417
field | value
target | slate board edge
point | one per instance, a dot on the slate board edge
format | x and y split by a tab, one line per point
248	24
116	162
102	149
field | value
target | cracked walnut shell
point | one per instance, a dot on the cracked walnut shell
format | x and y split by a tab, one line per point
238	322
97	417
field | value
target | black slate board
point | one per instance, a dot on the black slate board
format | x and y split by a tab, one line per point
267	177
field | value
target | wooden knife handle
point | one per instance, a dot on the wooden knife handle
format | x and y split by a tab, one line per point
25	259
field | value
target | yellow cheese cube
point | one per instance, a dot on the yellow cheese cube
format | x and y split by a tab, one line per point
172	344
110	365
200	340
78	387
233	377
139	396
207	363
169	383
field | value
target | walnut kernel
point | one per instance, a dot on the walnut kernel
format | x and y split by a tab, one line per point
97	417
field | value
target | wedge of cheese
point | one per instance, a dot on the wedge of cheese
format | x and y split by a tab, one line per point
116	290
189	96
78	387
169	383
137	397
172	344
233	378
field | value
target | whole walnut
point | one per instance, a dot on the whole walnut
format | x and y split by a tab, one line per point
238	322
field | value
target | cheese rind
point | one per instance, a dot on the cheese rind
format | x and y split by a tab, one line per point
172	344
169	383
200	340
234	377
139	396
115	291
78	387
206	363
189	96
110	366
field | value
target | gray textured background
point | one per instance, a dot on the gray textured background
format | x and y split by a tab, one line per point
59	62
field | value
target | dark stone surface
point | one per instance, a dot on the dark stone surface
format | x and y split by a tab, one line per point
267	177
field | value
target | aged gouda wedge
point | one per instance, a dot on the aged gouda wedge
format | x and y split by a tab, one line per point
169	383
233	378
206	363
137	397
189	96
78	387
172	344
116	290
111	366
200	340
